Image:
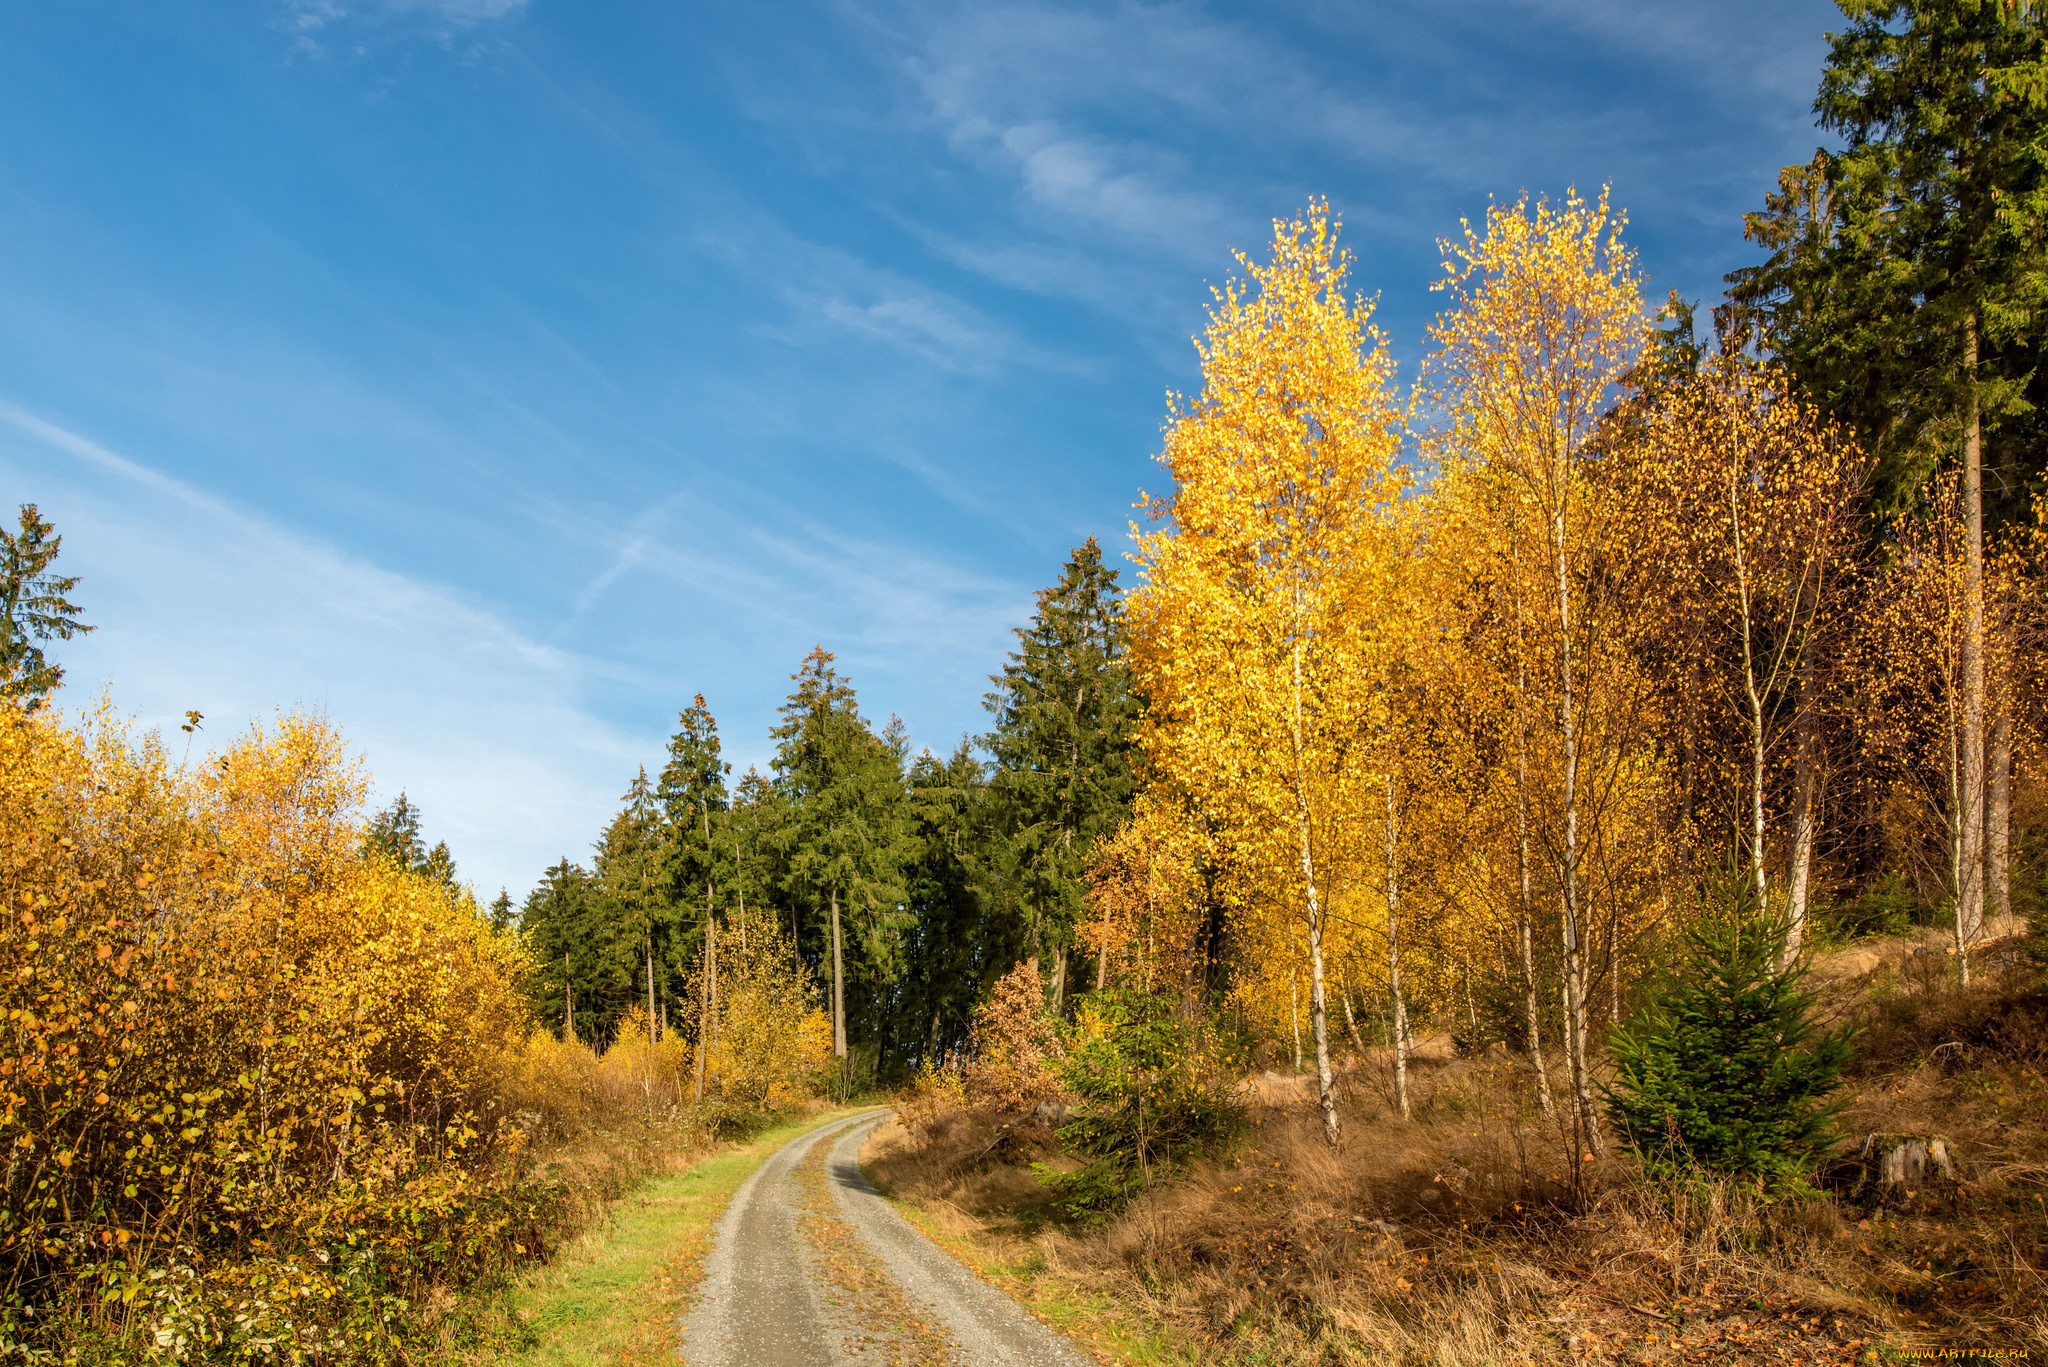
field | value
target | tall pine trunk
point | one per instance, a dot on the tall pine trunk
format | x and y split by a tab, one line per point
838	987
1805	819
1970	873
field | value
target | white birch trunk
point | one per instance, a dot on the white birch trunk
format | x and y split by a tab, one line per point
1393	872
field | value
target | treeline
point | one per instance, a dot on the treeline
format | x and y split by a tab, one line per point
905	883
1450	702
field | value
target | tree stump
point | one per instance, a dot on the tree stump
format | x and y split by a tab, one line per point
1897	1164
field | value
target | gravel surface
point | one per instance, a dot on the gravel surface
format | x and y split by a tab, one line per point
770	1298
758	1304
991	1329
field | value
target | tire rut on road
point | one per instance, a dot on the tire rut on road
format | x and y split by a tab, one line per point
799	1278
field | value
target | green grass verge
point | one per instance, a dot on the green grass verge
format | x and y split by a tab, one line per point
613	1295
1114	1330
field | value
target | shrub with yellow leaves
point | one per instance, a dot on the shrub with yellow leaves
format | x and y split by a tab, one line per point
771	1041
248	1076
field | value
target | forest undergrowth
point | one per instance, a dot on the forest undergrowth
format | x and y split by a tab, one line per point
1474	1234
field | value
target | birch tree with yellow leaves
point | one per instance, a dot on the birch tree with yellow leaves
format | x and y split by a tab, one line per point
1258	669
1545	319
1756	505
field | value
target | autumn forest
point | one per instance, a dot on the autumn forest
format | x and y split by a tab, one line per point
1513	744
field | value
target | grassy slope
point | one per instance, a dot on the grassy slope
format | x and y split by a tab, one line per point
1413	1245
614	1295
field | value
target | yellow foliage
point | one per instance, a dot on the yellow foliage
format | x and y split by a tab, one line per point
227	1036
1259	637
771	1041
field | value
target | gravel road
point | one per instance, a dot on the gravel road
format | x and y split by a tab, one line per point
810	1267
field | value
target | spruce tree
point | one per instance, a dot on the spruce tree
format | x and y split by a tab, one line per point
1725	1066
394	833
694	801
1908	269
844	838
640	915
561	925
33	608
953	952
1065	715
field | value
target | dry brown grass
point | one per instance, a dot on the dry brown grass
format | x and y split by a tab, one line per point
1462	1237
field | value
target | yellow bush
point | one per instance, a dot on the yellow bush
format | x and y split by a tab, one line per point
234	1051
771	1043
933	1093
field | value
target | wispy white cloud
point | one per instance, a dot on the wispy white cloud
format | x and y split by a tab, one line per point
312	15
1180	128
202	605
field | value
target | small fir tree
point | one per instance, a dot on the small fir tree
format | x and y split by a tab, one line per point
33	608
1725	1066
394	833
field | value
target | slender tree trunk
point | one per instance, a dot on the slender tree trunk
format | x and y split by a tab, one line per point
1970	890
1527	909
704	1006
1998	811
1614	966
1534	1008
1318	999
1955	836
568	1004
1393	870
1294	1013
652	1037
1568	728
838	987
1059	982
1351	1023
1754	699
1102	964
1805	820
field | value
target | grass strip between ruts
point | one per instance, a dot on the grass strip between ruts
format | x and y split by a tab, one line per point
615	1297
1099	1324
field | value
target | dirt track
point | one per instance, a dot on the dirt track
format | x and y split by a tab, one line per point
810	1267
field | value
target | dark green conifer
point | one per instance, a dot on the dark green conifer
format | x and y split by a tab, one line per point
1725	1066
844	838
33	608
1065	716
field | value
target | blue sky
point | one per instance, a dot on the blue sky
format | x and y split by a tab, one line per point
497	374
